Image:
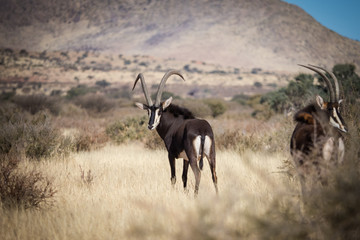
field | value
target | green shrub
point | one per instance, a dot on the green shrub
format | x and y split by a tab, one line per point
277	101
128	130
300	92
258	84
349	80
103	83
198	108
217	106
240	98
79	91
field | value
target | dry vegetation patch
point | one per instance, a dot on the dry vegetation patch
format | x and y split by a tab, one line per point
125	191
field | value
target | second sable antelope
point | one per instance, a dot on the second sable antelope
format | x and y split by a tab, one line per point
184	136
317	142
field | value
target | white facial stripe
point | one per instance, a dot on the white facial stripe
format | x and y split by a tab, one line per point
336	122
157	119
332	122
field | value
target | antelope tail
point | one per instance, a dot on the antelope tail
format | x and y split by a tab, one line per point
201	162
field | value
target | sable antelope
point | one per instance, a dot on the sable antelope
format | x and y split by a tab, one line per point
316	142
184	136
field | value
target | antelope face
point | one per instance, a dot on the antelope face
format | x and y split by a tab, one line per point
154	112
333	111
336	119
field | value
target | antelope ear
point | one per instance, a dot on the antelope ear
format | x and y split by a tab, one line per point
141	106
320	101
166	103
341	101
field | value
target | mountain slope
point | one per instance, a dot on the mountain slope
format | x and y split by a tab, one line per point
269	34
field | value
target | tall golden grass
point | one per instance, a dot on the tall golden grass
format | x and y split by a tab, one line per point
124	192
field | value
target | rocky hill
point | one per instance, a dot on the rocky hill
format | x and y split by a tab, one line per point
267	34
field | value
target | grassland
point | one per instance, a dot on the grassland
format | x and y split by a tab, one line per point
78	162
124	192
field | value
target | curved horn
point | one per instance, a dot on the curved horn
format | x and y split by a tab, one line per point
337	89
144	88
327	81
162	84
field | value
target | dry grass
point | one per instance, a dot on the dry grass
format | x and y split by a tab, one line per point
125	192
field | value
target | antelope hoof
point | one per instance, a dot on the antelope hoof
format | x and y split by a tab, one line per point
173	180
196	191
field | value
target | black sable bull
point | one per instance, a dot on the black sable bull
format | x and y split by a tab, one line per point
316	142
184	136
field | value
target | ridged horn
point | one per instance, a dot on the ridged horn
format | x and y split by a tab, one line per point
327	81
144	88
162	84
337	89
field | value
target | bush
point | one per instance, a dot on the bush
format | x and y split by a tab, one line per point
165	95
96	103
154	142
29	136
83	142
300	92
349	80
123	93
89	139
198	108
79	91
23	190
128	130
240	98
297	93
103	83
277	101
217	106
7	95
329	211
258	84
233	140
36	103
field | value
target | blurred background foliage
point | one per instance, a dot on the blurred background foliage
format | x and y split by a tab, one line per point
302	90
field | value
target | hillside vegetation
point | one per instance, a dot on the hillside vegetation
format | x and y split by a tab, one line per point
54	73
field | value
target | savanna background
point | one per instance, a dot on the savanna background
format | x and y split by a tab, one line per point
77	159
